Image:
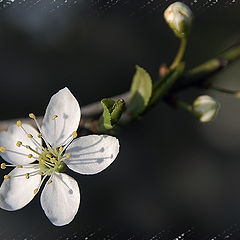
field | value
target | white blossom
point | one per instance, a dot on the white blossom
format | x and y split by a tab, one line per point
35	163
179	17
206	107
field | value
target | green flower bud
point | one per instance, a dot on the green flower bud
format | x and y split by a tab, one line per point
206	108
179	18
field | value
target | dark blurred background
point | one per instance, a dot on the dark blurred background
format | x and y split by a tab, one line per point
174	177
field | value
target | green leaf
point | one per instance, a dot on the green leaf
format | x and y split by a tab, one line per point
140	93
112	112
107	104
162	87
117	110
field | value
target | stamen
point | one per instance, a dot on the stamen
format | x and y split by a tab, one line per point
31	115
69	140
49	181
60	149
40	135
19	144
6	177
74	134
66	157
30	136
30	155
19	123
54	117
2	149
41	173
3	166
29	148
41	160
53	160
26	175
40	184
50	165
48	155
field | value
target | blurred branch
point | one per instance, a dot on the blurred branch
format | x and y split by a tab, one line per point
194	77
200	74
89	112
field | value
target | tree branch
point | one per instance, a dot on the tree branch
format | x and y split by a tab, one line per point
194	77
88	112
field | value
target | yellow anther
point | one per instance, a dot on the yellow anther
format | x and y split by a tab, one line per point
19	144
31	115
19	166
19	123
30	136
54	117
68	155
30	155
53	160
60	149
2	149
41	160
39	135
41	173
48	155
27	175
3	166
74	134
35	191
49	181
6	177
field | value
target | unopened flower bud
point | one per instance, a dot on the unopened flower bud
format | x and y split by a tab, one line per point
206	108
179	17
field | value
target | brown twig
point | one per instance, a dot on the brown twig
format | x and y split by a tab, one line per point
195	77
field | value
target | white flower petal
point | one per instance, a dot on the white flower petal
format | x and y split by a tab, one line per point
92	154
17	192
60	199
19	155
65	106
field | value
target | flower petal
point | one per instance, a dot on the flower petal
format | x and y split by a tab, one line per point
19	155
64	106
17	192
60	199
92	154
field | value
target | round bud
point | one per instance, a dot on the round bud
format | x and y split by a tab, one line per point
179	17
206	108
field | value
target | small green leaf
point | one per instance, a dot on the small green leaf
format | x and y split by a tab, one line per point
117	111
107	104
140	94
112	112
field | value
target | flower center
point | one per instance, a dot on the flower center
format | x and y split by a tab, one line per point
50	160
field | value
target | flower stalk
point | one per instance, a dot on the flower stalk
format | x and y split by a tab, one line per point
180	53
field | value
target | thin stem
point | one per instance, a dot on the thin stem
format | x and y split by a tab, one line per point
187	107
236	93
180	53
194	77
181	104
